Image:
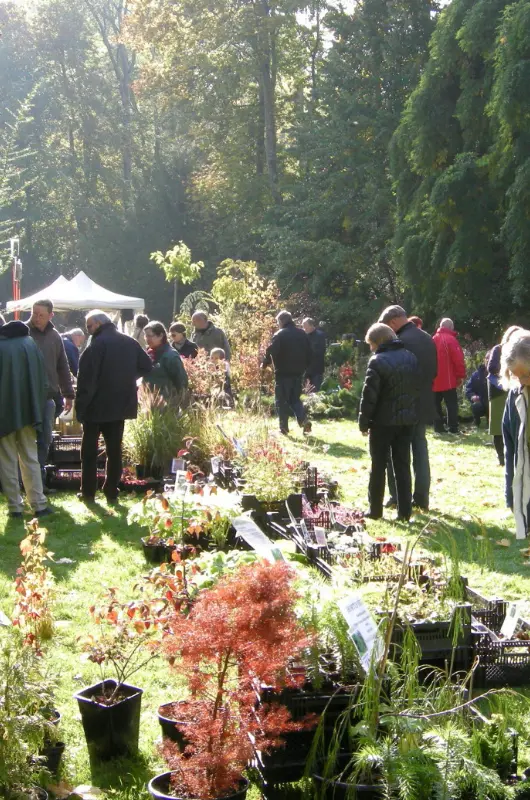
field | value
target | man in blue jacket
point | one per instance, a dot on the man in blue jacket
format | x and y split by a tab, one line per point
73	340
23	388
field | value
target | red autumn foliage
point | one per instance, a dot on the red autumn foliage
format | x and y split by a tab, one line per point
239	635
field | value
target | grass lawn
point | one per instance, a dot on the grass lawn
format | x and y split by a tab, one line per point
100	551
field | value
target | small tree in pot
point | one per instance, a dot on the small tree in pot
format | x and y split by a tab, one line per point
238	635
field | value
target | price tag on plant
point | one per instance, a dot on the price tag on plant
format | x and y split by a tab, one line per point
362	629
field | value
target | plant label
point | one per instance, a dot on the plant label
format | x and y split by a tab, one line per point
177	465
510	621
320	536
362	629
255	538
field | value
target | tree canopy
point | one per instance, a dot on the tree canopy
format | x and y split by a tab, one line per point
359	156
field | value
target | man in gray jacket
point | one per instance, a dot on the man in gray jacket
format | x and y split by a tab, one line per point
421	344
51	345
206	336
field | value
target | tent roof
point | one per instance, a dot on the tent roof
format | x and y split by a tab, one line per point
80	293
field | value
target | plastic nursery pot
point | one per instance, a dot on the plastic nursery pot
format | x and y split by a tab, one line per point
329	789
159	787
157	553
168	718
52	754
110	731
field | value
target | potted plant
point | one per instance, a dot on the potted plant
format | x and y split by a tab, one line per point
125	640
25	697
152	439
239	634
166	519
34	589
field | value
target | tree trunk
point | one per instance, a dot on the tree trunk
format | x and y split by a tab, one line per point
267	88
260	134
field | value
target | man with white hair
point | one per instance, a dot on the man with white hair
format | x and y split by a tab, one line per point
207	336
289	354
106	396
73	340
451	373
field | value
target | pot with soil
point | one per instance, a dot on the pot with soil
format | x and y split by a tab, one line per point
169	717
160	788
110	714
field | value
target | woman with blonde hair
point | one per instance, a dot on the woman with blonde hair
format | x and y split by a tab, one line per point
516	429
496	393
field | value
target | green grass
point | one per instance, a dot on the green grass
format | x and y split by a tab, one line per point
467	487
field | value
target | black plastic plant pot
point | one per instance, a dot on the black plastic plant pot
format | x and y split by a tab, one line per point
110	731
156	553
168	720
52	754
37	793
160	787
328	789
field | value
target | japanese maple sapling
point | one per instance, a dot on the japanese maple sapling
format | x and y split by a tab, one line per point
239	635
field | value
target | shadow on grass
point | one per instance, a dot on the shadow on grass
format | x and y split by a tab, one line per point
128	776
72	531
337	449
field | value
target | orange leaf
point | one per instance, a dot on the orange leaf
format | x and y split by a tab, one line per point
503	543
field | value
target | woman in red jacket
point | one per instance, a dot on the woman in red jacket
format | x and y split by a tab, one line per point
451	373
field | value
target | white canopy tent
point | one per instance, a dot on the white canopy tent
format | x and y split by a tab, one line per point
79	294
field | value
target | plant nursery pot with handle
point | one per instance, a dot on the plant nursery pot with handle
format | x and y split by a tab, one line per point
160	786
110	730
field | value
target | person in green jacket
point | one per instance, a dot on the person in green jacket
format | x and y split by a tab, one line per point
23	388
168	374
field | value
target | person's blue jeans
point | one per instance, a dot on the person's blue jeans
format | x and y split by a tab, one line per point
287	395
44	436
420	466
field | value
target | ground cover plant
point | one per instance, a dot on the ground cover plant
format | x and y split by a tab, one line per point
94	549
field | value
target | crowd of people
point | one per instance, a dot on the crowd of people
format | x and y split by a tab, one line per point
411	382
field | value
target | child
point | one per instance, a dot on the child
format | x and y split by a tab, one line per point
389	411
217	355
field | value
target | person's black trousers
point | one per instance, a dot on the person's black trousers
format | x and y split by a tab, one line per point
479	410
394	441
287	395
112	433
451	404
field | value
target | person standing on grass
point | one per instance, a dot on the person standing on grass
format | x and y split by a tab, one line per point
73	340
59	377
422	346
477	392
180	342
207	336
388	413
23	392
450	375
139	323
496	393
515	368
317	339
109	368
168	374
289	354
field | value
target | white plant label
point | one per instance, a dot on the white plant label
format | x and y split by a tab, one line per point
320	536
253	536
362	629
510	621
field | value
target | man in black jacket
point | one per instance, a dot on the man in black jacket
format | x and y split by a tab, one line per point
106	396
317	339
290	354
422	346
389	412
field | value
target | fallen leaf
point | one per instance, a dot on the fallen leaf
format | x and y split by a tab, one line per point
61	790
503	543
525	552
